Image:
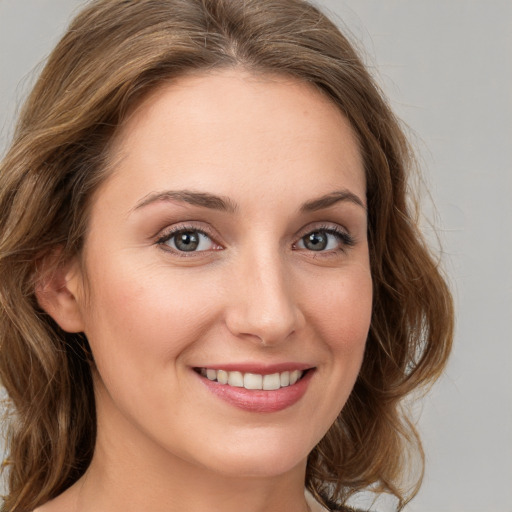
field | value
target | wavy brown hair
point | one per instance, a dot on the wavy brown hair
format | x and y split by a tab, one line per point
114	53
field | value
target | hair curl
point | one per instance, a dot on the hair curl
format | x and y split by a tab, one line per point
114	53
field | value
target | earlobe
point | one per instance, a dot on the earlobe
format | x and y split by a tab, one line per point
58	292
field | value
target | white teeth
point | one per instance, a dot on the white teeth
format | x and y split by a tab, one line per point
222	377
237	379
271	382
295	376
284	379
253	381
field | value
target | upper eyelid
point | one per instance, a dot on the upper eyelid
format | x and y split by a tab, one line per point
341	233
322	226
169	231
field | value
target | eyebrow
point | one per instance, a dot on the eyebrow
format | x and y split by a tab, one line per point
331	199
203	199
214	202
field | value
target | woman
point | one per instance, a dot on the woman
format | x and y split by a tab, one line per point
213	293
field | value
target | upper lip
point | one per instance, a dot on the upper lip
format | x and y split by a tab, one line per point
261	369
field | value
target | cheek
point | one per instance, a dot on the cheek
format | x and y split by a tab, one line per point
339	316
343	311
142	319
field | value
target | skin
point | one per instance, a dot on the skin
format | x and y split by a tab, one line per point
268	145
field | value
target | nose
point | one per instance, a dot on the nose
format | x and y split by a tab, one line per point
263	306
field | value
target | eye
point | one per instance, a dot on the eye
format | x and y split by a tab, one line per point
187	240
325	240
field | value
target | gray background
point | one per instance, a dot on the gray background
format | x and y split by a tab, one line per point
447	69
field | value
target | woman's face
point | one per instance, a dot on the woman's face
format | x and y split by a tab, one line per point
229	243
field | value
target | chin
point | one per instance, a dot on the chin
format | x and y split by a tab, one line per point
258	467
263	456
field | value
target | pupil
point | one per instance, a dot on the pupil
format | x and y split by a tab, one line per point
315	241
187	241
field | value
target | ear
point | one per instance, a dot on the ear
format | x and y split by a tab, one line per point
58	289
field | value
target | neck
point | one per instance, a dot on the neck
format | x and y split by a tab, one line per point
103	489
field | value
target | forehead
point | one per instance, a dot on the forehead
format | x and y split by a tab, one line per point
231	127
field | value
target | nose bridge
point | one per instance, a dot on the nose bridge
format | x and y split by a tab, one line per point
264	307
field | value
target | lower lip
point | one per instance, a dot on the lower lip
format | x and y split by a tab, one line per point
260	400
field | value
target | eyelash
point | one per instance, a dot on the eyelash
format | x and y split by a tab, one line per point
346	240
172	232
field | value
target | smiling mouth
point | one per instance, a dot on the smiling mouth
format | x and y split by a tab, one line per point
253	381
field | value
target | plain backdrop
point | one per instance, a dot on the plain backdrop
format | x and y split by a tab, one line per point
446	67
